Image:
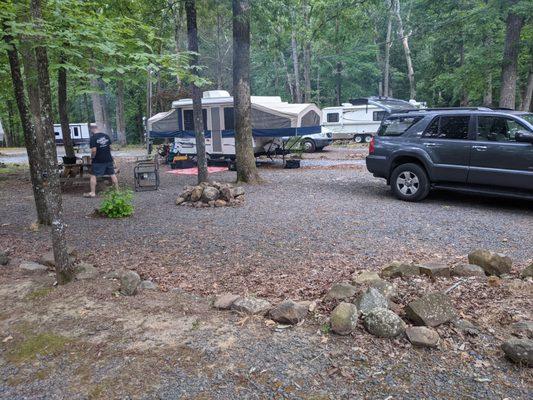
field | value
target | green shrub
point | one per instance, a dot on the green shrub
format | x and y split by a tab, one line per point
117	203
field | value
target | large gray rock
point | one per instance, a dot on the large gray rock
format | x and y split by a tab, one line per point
226	193
196	193
398	269
491	262
341	291
224	301
527	272
370	300
343	318
431	310
365	277
129	282
384	323
519	351
288	312
210	194
435	270
388	290
237	191
466	326
466	270
85	271
4	259
148	285
30	266
523	329
251	305
422	336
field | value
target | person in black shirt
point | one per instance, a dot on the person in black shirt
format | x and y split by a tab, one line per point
102	161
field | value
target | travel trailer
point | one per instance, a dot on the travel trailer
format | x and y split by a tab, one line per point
360	118
78	132
273	122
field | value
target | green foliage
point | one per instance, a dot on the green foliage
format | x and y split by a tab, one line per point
42	344
117	203
325	328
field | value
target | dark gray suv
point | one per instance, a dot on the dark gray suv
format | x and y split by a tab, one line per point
476	150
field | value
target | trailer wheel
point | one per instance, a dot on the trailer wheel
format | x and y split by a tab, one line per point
368	139
358	139
309	146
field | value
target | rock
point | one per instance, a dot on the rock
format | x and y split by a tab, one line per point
491	262
466	326
398	269
288	312
435	270
114	274
343	318
465	270
385	288
226	194
48	258
432	310
370	300
341	291
4	259
494	281
526	272
210	194
422	336
224	301
365	277
129	282
250	305
31	266
519	351
381	322
85	271
180	200
237	191
196	193
221	203
523	329
148	285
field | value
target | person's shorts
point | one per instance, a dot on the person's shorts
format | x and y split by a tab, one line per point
101	169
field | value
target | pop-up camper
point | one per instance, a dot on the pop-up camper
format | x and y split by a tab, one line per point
360	118
272	122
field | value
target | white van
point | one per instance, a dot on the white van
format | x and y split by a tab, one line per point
360	118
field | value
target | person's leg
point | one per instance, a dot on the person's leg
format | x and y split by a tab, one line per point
92	183
115	181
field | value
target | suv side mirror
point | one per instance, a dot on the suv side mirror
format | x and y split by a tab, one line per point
524	136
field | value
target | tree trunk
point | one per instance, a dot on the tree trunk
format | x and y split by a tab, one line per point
386	60
526	98
62	107
246	168
220	61
176	12
405	42
121	119
289	80
192	35
9	130
63	266
307	54
487	96
296	68
510	60
100	104
338	68
139	120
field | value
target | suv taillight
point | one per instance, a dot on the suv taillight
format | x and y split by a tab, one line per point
371	147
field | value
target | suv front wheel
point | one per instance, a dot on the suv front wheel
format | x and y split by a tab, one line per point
409	182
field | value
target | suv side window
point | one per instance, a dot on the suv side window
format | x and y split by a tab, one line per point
497	129
449	127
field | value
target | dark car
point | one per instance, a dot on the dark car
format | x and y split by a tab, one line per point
476	150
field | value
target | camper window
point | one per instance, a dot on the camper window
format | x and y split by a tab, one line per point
76	132
57	133
188	119
333	117
229	118
379	115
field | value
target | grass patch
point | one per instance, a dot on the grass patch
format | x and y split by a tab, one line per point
43	344
39	293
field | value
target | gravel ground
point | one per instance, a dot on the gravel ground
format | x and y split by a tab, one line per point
295	235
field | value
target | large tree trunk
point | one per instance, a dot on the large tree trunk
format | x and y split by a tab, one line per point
28	129
9	129
510	60
220	61
287	73
139	120
307	54
63	107
338	67
63	266
526	98
487	96
296	68
246	168
100	104
121	119
386	60
405	42
176	12
192	35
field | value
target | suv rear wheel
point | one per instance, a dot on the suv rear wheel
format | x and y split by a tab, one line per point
410	182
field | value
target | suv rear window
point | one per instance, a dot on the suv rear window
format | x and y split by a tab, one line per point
396	126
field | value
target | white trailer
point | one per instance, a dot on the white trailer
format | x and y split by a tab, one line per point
78	132
360	118
272	122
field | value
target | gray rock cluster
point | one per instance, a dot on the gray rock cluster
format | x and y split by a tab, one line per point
212	194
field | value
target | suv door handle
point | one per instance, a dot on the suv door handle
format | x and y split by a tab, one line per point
480	148
430	144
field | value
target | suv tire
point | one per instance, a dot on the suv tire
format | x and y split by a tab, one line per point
410	182
309	146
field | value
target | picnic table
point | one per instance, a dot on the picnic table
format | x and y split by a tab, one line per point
79	173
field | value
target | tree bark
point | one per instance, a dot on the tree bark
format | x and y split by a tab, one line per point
405	42
192	35
487	97
526	99
246	168
9	129
338	67
62	106
121	119
176	13
289	80
386	60
100	104
63	266
296	68
28	129
510	60
307	55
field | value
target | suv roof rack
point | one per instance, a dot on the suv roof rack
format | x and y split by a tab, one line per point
445	109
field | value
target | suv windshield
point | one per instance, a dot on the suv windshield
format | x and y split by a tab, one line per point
396	126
